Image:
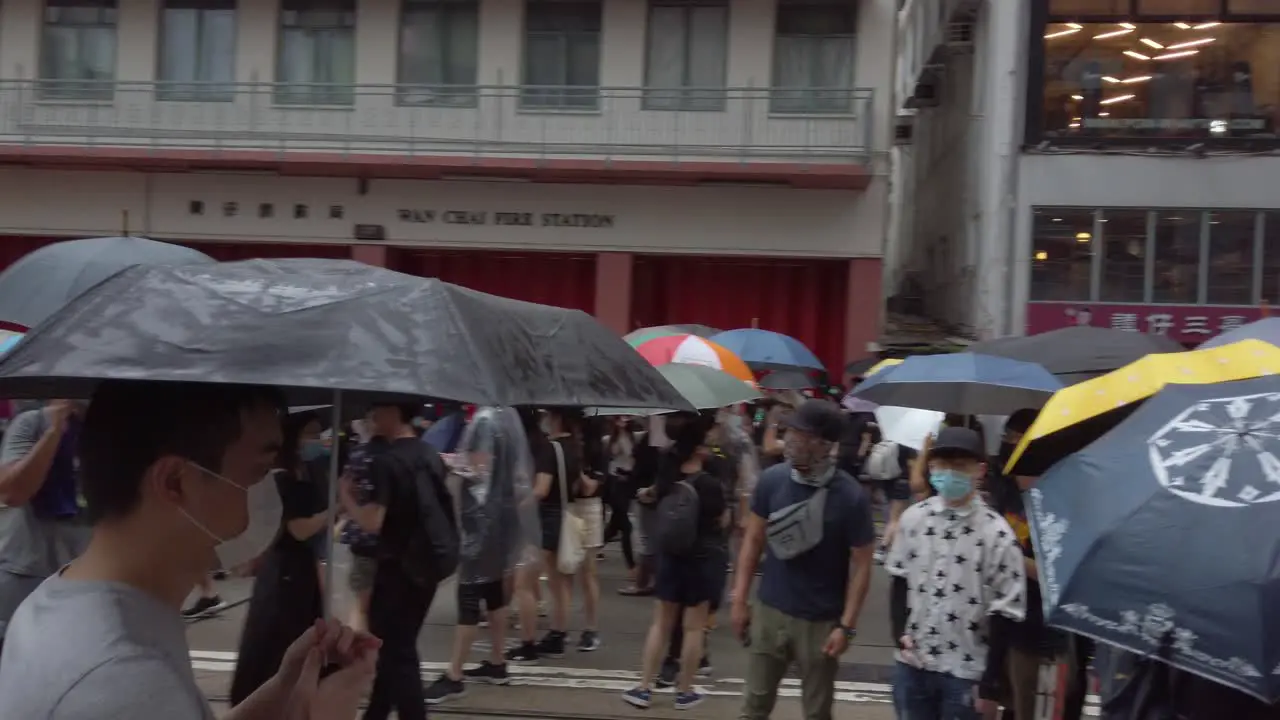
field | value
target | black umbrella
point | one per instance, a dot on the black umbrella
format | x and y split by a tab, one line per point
313	327
859	368
1078	353
787	380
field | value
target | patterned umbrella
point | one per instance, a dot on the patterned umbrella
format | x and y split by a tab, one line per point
693	350
644	335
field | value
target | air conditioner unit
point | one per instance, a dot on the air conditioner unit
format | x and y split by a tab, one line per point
959	36
904	127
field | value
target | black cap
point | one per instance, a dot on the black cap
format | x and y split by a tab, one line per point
959	442
818	418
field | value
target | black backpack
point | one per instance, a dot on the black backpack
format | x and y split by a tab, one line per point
434	545
678	519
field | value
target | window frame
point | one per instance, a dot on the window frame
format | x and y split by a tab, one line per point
52	88
460	95
1037	61
779	96
686	98
284	91
534	98
171	90
1203	214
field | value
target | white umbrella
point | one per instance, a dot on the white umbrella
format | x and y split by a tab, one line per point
907	426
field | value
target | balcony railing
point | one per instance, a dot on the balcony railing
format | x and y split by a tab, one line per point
813	125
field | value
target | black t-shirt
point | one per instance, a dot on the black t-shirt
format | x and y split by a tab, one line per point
299	498
711	505
545	461
395	488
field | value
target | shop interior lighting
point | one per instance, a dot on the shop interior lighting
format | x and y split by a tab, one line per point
1116	99
1083	237
1075	26
1182	26
1191	44
1104	114
1042	255
1077	97
1110	79
1113	33
1074	125
1136	55
1174	55
1138	79
1130	26
1061	33
1206	26
1151	43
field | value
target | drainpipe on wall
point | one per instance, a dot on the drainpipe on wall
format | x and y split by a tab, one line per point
892	224
1021	19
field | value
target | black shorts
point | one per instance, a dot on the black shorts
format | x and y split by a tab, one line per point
690	580
493	594
550	531
899	489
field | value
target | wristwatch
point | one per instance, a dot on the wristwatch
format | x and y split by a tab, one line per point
849	632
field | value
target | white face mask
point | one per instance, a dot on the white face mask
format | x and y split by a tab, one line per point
265	511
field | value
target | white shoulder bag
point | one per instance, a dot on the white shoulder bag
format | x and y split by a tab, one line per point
573	529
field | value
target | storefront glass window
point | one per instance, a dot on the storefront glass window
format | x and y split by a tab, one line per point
1124	259
1061	253
1176	81
1179	7
1254	7
1088	7
1231	258
1271	257
1177	257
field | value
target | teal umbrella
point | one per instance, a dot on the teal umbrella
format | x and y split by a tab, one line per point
707	388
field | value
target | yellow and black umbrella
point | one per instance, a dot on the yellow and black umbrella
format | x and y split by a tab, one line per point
1076	416
882	365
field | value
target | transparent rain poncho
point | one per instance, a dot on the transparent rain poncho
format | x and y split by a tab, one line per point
497	512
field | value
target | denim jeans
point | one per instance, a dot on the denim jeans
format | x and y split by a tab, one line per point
925	695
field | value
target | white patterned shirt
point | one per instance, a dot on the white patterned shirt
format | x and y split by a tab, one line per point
961	565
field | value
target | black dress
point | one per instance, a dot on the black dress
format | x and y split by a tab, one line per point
286	591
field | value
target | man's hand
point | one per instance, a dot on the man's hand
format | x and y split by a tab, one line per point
985	708
837	642
740	616
338	695
58	412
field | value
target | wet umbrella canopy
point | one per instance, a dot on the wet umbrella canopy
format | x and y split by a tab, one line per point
42	282
1076	354
314	326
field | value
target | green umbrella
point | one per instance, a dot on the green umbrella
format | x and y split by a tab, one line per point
639	337
707	388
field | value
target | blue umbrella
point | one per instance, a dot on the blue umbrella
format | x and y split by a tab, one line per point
1161	538
767	350
962	383
8	339
1266	330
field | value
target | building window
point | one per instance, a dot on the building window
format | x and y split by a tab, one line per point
1076	8
197	50
78	50
813	54
561	55
1179	7
439	48
1186	81
1271	257
1061	255
1177	257
685	58
316	63
1230	277
1124	256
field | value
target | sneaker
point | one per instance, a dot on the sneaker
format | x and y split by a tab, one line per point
204	607
667	675
444	689
552	644
638	697
686	700
523	655
543	609
705	668
589	641
487	672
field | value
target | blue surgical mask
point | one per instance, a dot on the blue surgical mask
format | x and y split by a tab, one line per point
312	450
950	484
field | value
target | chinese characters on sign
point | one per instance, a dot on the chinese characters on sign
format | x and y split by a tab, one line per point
1189	324
266	211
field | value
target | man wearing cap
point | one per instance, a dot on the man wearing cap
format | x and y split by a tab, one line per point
812	521
961	563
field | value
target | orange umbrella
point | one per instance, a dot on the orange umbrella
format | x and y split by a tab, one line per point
693	350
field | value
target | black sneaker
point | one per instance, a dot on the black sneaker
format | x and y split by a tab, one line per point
487	672
552	645
589	641
203	607
667	675
705	667
526	653
444	689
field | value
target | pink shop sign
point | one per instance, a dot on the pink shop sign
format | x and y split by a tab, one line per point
1190	324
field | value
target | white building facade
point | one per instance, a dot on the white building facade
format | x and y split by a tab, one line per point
649	161
1104	162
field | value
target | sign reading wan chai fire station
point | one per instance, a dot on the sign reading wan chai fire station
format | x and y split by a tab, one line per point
508	219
